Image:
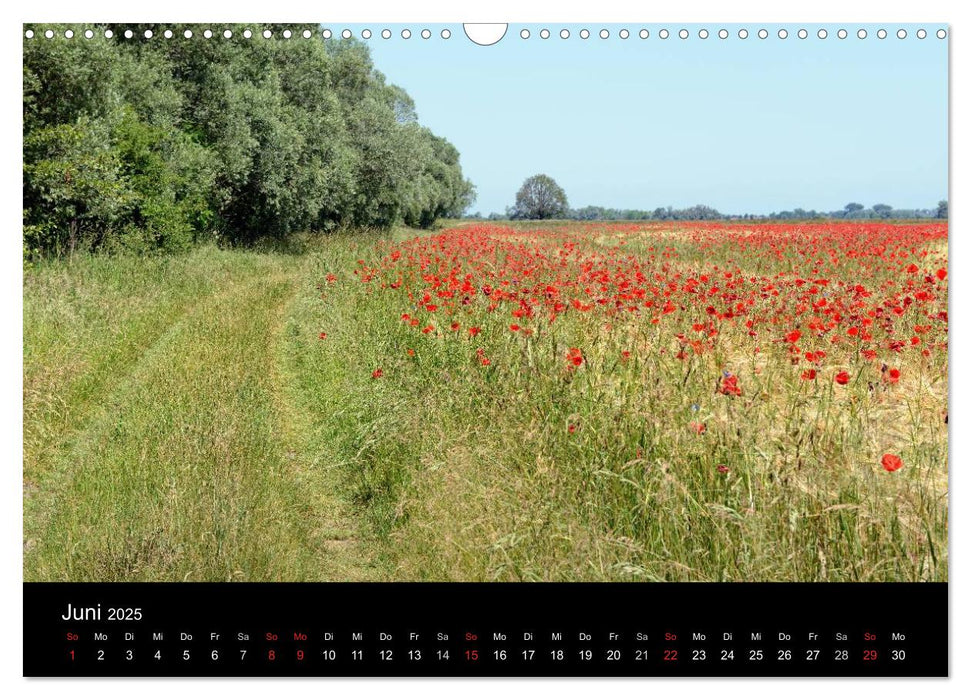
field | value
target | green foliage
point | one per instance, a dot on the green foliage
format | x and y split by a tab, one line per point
540	198
154	144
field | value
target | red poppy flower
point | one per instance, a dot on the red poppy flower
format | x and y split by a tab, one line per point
455	325
809	375
571	428
843	377
411	353
377	374
322	335
474	331
722	469
891	462
793	336
729	385
575	357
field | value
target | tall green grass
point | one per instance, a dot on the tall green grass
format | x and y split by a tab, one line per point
160	437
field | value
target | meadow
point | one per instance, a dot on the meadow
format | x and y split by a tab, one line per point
529	401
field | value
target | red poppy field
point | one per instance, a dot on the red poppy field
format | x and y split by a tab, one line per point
650	401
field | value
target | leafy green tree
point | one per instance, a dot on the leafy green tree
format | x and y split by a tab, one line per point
942	209
540	198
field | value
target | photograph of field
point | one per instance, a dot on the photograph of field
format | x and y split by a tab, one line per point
266	339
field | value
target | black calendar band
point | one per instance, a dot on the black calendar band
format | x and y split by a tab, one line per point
485	629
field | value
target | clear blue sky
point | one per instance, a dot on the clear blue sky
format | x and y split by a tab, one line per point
747	125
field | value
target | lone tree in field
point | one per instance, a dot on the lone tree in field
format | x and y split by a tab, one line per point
882	210
942	209
540	198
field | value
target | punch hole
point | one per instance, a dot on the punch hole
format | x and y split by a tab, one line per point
486	34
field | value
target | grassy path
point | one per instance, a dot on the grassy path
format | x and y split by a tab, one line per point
162	436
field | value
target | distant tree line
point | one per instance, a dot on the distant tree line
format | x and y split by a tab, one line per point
540	197
855	210
700	212
159	143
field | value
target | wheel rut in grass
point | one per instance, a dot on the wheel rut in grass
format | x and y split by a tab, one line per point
195	466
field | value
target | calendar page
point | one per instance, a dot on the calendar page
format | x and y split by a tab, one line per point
536	349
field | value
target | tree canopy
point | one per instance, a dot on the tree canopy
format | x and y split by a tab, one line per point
540	198
158	143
